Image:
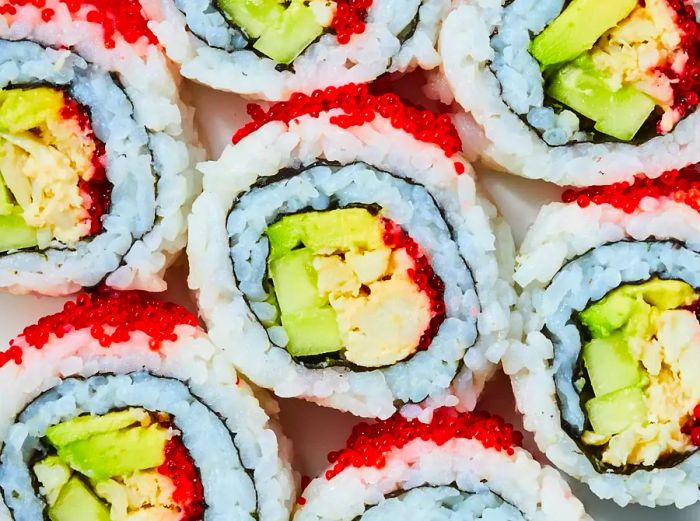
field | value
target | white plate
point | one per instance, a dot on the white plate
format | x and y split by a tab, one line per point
315	430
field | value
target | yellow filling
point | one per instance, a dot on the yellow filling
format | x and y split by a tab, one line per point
43	164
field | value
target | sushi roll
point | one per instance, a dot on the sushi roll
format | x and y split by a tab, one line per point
97	151
119	407
465	467
269	49
342	253
608	376
578	92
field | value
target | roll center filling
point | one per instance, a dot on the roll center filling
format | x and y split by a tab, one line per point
123	465
53	185
641	364
352	285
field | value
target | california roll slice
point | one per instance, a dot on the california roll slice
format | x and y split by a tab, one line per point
449	467
608	376
119	407
341	252
579	92
270	49
96	153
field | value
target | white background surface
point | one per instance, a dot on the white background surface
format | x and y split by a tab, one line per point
315	430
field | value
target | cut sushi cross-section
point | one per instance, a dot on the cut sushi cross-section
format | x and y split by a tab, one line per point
53	186
351	285
122	465
622	63
641	366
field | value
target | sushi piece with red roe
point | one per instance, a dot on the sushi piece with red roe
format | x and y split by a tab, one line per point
579	92
607	377
452	466
96	150
119	407
342	253
270	49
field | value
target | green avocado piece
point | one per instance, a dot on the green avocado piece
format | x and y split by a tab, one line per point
608	315
619	114
284	40
578	28
312	332
25	109
610	365
296	282
117	453
253	16
15	233
84	427
76	502
667	294
613	413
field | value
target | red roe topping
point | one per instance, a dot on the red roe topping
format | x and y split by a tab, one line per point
369	444
685	84
111	317
683	186
422	275
350	18
97	190
189	492
360	107
117	17
692	427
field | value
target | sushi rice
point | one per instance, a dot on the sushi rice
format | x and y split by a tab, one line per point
576	258
311	163
131	97
240	457
398	35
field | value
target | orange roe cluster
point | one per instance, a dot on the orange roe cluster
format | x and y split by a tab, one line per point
117	17
422	275
180	468
683	186
685	84
359	106
369	444
349	19
111	316
97	190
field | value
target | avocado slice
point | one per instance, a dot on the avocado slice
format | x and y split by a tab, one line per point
613	413
312	332
117	453
287	38
667	294
295	281
253	16
15	233
610	365
577	29
76	502
619	114
25	109
83	427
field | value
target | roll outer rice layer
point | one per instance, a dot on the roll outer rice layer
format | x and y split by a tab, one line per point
509	143
598	248
277	146
247	473
150	152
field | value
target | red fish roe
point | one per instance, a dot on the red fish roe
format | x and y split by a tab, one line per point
118	18
686	85
683	186
111	317
360	107
422	275
691	427
189	492
369	444
349	19
97	190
